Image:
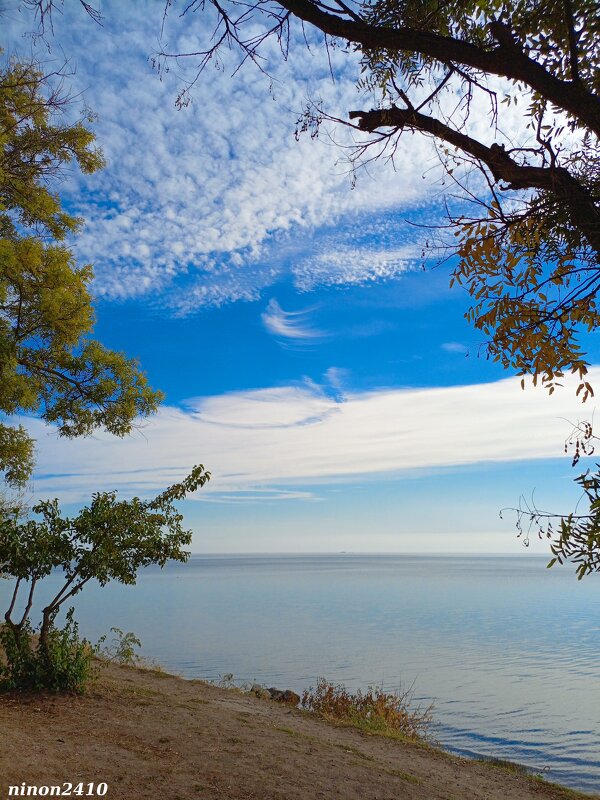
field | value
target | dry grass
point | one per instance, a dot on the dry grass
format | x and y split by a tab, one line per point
373	711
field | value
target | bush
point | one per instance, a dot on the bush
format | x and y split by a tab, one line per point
65	665
18	666
122	648
373	711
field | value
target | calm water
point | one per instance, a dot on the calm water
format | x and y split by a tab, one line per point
508	651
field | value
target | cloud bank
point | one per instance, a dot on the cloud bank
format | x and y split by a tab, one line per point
268	442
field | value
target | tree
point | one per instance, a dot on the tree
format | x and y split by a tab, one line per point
529	254
525	210
49	365
108	540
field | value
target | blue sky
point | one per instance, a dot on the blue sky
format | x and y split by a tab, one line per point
329	383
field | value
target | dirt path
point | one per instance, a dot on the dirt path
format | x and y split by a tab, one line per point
152	735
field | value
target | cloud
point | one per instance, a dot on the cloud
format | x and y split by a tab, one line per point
348	266
454	347
295	438
196	206
337	377
290	325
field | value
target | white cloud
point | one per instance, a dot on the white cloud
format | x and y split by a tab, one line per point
288	324
195	205
352	266
454	347
294	437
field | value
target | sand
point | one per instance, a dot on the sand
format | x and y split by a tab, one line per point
148	734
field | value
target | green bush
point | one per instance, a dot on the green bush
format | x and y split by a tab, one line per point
122	648
64	665
18	665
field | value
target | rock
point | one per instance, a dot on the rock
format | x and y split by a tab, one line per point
259	691
288	697
291	698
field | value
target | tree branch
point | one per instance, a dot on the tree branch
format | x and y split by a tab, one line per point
29	602
573	58
582	209
507	59
8	614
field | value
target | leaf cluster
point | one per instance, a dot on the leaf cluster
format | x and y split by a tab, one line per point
533	291
49	365
573	537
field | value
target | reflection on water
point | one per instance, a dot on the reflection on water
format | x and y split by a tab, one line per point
507	650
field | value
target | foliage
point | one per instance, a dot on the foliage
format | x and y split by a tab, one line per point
573	537
48	363
65	666
524	206
122	649
374	710
526	202
107	540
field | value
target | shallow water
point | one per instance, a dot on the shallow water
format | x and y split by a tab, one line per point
508	651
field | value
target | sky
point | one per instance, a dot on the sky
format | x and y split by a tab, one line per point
327	380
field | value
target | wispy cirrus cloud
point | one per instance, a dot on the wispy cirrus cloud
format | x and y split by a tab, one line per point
454	347
289	325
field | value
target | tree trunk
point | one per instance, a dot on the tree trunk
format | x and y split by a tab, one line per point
47	614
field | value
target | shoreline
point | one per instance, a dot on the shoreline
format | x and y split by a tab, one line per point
147	733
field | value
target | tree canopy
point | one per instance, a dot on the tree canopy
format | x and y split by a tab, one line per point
108	540
528	233
49	364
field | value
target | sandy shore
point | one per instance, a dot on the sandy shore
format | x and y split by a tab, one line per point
152	735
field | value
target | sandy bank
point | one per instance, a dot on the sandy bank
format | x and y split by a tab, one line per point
152	735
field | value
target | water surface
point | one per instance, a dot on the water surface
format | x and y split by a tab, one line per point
508	651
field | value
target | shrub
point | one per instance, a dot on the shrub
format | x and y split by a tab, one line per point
122	648
64	665
374	711
18	666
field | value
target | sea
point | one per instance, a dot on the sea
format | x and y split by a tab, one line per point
507	651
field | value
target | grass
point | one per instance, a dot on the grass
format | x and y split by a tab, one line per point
503	763
372	711
545	786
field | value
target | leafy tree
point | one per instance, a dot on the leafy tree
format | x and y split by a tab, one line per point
528	246
525	208
49	365
108	540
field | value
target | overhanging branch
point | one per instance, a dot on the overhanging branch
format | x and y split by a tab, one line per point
507	59
558	181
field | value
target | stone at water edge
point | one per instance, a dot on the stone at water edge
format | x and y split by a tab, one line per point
291	698
288	697
259	691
